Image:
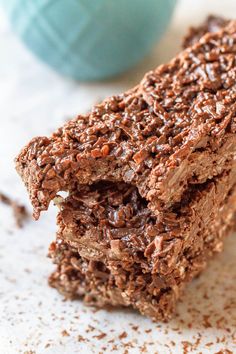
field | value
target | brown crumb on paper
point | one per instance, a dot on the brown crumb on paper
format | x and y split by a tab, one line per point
19	211
65	333
123	335
100	336
81	338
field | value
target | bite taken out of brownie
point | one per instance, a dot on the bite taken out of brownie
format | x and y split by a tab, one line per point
151	181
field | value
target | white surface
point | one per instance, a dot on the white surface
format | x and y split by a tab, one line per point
34	101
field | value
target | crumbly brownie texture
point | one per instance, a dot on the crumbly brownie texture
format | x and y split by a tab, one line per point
113	222
147	136
150	176
100	286
211	24
110	243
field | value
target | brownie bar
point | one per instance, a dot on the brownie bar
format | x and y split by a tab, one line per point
77	277
110	229
113	221
151	182
148	136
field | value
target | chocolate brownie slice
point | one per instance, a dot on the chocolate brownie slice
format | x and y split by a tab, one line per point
162	136
115	242
150	177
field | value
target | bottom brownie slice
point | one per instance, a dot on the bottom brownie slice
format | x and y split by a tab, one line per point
112	250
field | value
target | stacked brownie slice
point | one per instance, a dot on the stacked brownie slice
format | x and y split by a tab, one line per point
150	177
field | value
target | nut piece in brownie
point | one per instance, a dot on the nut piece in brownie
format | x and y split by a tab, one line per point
142	172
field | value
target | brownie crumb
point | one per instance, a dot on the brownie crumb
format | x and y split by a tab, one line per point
20	212
148	330
81	338
100	336
135	328
65	333
123	335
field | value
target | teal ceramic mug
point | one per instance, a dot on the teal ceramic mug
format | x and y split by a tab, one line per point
89	39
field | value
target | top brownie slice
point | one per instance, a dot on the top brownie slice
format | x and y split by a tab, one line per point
174	129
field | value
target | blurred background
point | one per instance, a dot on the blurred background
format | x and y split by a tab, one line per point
90	40
53	67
